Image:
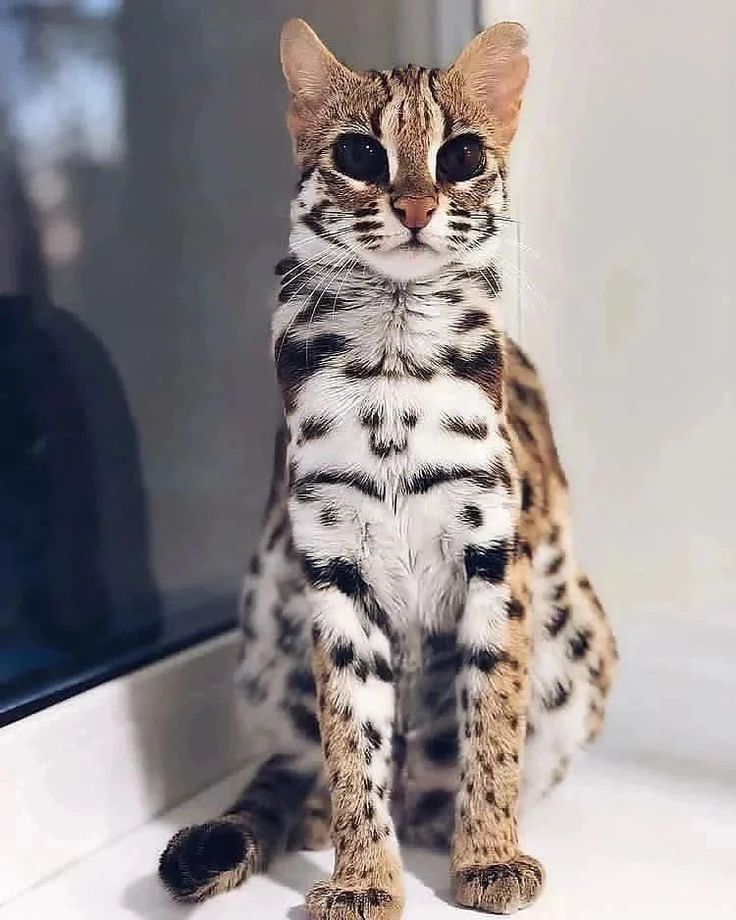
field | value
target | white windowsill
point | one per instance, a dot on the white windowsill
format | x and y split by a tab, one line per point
646	827
616	841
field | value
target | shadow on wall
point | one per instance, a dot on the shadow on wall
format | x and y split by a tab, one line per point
69	455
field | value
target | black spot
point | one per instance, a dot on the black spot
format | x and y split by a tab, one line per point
329	516
464	701
559	592
288	631
471	515
372	417
558	621
313	428
442	644
384	448
338	573
431	803
528	396
382	669
475	428
255	690
503	475
558	696
472	319
410	417
554	567
527	494
484	659
296	361
487	562
453	295
522	429
484	366
372	735
515	609
361	670
442	748
304	721
375	614
347	578
367	226
343	653
579	645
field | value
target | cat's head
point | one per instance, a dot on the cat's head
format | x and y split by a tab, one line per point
403	170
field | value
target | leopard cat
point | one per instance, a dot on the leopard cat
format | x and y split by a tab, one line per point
421	652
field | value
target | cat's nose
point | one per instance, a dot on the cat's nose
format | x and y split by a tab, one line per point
415	213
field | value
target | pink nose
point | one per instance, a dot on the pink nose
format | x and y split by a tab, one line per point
415	213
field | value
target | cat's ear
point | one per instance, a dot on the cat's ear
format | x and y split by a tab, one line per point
309	68
494	68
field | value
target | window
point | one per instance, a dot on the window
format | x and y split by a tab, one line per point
136	407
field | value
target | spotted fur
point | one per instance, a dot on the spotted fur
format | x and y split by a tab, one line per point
421	651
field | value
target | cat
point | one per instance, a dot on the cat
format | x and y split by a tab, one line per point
420	649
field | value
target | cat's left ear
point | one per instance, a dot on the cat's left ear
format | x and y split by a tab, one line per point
310	69
494	68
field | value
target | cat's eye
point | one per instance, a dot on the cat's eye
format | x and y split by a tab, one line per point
461	158
361	157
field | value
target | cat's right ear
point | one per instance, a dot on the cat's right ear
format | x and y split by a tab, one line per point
309	68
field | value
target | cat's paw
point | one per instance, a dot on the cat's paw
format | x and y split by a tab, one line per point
207	859
327	901
501	888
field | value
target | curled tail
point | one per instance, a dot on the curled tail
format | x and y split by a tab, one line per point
207	859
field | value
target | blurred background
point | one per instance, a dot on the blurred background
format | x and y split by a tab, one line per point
145	176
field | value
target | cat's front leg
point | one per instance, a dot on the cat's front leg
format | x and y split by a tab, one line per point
355	695
489	871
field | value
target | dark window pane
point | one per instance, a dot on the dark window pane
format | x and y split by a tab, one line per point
144	175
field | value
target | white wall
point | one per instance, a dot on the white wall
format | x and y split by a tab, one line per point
625	182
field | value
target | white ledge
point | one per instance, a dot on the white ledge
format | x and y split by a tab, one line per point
617	842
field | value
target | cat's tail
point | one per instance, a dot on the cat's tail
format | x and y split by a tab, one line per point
207	859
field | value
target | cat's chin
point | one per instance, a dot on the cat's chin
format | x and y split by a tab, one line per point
407	263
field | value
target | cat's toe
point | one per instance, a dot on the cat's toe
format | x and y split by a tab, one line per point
501	888
327	901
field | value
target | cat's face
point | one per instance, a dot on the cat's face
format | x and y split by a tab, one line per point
402	170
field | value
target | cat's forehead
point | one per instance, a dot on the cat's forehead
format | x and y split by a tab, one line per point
414	99
403	105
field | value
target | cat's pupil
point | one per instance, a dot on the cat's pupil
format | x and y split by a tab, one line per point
361	157
461	158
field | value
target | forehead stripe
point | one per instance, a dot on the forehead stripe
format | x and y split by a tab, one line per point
431	84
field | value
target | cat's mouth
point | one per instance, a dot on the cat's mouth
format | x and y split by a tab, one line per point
415	245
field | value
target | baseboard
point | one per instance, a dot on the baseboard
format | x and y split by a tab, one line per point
80	774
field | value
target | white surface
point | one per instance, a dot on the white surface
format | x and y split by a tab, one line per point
623	178
617	843
83	772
